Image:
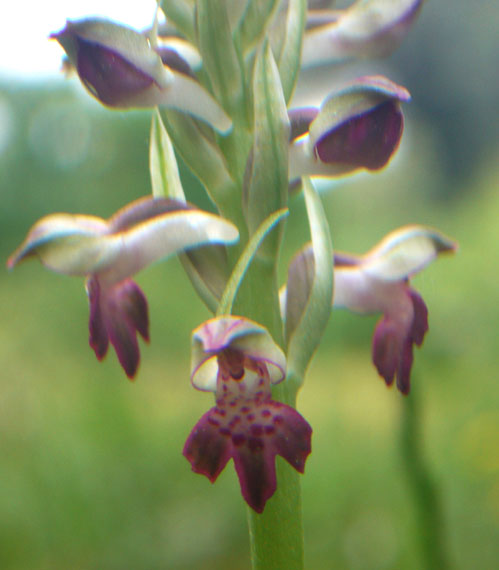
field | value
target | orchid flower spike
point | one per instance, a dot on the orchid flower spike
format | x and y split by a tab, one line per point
238	360
109	252
366	29
121	69
358	127
379	282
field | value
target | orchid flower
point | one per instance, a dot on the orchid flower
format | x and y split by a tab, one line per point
109	252
366	29
238	360
120	67
378	282
357	127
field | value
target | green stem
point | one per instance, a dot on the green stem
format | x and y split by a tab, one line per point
276	535
425	493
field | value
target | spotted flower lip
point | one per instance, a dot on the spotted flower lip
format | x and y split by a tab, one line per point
245	425
366	29
379	282
357	127
237	332
121	69
109	252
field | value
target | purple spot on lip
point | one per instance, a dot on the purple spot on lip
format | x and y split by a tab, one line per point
256	430
208	450
238	439
255	444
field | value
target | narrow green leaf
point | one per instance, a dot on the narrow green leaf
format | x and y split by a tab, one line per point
207	267
163	167
290	55
218	52
266	183
199	153
304	337
227	300
181	14
255	24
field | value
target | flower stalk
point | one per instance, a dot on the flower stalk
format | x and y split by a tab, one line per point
427	507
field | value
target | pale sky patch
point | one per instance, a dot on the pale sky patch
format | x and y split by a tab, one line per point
25	50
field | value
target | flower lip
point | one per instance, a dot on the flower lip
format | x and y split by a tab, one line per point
244	335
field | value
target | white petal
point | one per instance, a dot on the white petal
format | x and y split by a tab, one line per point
69	244
162	236
404	252
189	96
368	28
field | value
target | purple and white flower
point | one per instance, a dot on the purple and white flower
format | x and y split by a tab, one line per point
121	69
238	360
109	252
358	127
378	282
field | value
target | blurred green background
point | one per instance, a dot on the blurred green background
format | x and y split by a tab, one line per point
91	471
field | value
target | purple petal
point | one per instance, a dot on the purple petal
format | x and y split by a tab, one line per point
420	321
252	433
393	342
206	449
98	338
292	439
276	429
386	349
255	468
404	368
174	60
117	314
367	140
419	326
107	75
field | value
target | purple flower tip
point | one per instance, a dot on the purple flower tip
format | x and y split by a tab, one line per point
107	75
366	140
393	341
117	314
